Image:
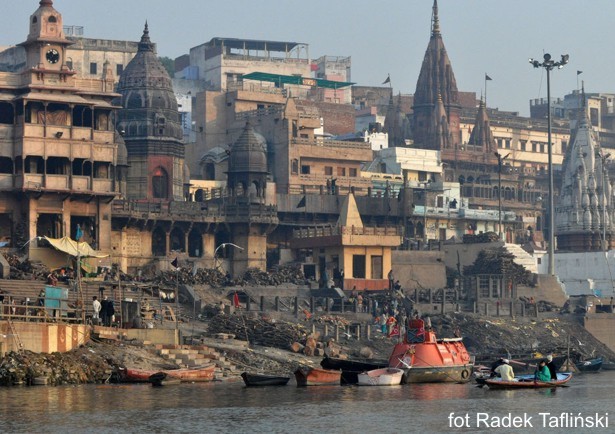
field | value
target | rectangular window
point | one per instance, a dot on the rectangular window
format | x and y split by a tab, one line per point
422	176
358	266
69	64
352	172
93	68
328	170
377	267
305	170
341	171
119	68
483	286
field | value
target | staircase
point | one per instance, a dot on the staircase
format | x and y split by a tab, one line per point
522	257
192	356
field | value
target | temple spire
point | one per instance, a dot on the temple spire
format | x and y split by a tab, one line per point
435	26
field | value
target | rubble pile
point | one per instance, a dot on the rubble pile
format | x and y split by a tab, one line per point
499	261
490	338
262	330
24	269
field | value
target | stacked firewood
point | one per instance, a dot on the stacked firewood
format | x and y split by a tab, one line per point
24	269
499	261
263	331
487	237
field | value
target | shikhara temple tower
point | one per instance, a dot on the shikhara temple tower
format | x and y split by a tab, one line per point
150	124
584	209
436	101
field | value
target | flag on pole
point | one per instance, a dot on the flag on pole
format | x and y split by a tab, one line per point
579	72
301	203
175	263
388	79
79	233
236	300
487	77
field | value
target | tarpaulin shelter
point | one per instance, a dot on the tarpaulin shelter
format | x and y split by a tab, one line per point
74	248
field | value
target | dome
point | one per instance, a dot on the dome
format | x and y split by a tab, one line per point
216	155
248	153
147	95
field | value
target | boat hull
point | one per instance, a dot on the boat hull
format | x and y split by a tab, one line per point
528	382
259	380
351	368
381	377
438	374
593	365
317	377
186	375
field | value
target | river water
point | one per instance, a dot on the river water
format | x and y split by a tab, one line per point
232	408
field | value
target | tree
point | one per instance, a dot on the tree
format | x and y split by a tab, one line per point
169	65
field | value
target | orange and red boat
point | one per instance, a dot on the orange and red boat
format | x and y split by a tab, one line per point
318	377
427	359
201	374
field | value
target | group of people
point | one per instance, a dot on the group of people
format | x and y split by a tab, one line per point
545	371
103	311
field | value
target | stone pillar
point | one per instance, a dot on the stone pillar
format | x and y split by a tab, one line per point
296	307
248	304
262	303
277	303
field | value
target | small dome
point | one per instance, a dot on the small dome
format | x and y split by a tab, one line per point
215	155
248	153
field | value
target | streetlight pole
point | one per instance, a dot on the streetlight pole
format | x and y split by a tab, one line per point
500	160
425	184
548	64
222	246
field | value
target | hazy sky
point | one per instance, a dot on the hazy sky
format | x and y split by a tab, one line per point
481	36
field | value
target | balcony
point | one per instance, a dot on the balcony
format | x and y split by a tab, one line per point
56	182
80	183
6	181
102	185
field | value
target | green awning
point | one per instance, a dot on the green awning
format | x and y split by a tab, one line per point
293	79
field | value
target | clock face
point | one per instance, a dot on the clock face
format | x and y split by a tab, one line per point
52	56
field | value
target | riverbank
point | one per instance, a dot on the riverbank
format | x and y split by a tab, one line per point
485	337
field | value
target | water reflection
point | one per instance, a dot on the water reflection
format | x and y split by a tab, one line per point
218	407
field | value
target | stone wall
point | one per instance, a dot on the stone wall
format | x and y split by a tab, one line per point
419	269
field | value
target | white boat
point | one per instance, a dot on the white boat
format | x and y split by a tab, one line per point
381	377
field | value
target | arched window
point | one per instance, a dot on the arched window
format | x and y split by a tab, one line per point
160	183
52	19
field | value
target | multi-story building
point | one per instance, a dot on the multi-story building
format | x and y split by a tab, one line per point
60	156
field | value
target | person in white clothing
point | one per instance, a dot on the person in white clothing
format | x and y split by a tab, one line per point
505	371
96	306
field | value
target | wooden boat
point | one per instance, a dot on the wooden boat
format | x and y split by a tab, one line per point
426	359
592	365
253	380
381	377
163	379
528	365
608	366
201	374
317	377
527	382
352	368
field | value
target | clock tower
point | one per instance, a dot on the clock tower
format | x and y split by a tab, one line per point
46	44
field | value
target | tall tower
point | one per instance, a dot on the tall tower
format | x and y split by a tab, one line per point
150	124
249	220
436	82
584	209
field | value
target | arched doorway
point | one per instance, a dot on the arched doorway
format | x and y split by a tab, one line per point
160	183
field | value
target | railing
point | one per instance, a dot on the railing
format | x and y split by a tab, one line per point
333	144
326	231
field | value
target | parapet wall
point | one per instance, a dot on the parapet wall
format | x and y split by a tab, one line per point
42	337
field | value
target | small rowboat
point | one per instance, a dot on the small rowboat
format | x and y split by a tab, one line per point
527	382
592	365
205	373
317	377
381	377
253	380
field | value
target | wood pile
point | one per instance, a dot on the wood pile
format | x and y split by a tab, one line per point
284	274
486	237
499	261
277	334
186	276
24	269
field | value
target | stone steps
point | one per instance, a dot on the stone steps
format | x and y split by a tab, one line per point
199	355
522	257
